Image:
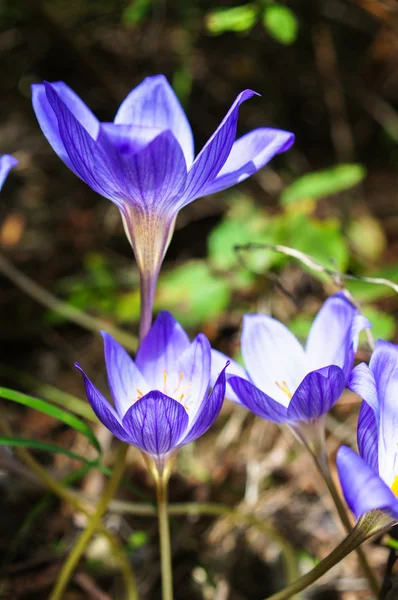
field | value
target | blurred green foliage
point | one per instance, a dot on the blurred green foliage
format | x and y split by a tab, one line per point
281	23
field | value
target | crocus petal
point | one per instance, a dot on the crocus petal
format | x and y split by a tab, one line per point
363	489
103	410
367	436
257	402
273	357
329	341
156	423
363	383
384	364
6	163
153	103
316	394
207	412
213	155
218	361
158	353
48	120
249	154
192	373
125	379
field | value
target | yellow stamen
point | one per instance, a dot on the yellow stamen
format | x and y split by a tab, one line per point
394	486
140	394
179	382
284	387
164	381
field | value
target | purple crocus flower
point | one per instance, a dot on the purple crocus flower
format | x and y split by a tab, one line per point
144	161
6	163
286	383
161	400
370	479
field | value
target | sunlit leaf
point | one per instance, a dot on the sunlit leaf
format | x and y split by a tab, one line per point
384	325
323	183
281	23
192	293
367	237
52	411
237	19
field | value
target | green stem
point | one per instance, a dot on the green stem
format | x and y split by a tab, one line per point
164	537
323	468
372	523
93	523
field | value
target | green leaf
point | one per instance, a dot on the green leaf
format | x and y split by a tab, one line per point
18	442
367	237
52	411
137	539
323	183
238	19
136	11
193	293
281	23
383	324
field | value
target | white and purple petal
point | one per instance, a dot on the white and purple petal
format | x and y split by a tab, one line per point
333	338
218	362
214	154
273	357
190	384
159	352
257	401
363	383
249	154
362	487
368	436
155	423
316	394
6	164
103	410
207	411
153	103
125	380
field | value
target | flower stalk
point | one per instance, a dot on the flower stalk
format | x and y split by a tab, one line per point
372	523
161	481
93	523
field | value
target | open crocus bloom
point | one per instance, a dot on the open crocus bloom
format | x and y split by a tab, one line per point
162	398
144	161
285	382
370	479
6	163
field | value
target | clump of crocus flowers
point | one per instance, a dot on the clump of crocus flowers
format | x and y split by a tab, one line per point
172	392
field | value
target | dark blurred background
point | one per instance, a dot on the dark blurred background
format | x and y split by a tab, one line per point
326	70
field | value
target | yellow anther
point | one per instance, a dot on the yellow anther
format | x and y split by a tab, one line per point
179	382
164	381
284	388
140	394
394	486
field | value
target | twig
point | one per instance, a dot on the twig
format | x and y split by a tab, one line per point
46	298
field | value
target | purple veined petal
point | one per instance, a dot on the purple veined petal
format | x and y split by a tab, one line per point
273	357
384	365
153	103
316	394
218	361
362	487
249	154
363	383
191	377
151	167
103	410
214	154
329	341
125	379
159	352
368	436
96	163
207	411
6	164
257	402
49	123
156	423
